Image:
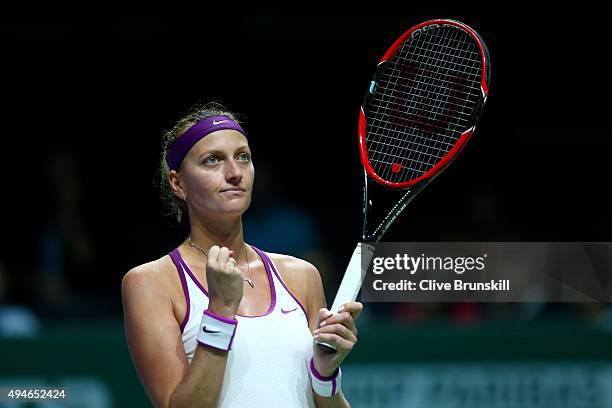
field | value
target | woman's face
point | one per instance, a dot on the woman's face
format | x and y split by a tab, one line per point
217	174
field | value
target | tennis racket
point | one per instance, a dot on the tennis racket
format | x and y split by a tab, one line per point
420	110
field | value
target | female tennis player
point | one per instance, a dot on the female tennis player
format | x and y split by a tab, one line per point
218	322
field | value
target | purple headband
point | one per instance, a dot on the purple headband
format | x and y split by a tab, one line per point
181	146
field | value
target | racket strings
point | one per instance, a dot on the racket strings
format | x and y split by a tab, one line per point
418	120
423	101
420	156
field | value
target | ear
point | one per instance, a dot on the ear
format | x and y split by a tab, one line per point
176	185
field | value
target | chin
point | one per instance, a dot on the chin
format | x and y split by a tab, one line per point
235	208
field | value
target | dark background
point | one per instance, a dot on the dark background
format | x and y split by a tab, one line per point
98	87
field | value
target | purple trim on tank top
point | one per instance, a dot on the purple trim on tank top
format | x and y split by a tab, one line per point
175	256
287	289
267	263
263	257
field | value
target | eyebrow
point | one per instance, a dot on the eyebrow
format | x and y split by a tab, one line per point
217	151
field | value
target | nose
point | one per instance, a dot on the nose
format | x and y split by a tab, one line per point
233	172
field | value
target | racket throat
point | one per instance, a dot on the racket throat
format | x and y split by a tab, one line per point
367	208
392	215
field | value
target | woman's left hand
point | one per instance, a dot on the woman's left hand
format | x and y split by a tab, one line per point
338	330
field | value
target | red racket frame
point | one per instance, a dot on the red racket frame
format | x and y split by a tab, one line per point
465	136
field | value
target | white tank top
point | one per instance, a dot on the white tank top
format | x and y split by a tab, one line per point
268	363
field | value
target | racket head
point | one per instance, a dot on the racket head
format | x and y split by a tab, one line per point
423	103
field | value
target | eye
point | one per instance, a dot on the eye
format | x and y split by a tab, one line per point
210	160
244	156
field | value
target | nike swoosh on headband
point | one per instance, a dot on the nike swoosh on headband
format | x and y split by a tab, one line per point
181	145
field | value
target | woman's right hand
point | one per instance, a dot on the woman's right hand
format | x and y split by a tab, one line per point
225	282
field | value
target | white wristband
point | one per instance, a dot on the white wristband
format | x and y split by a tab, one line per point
325	386
216	331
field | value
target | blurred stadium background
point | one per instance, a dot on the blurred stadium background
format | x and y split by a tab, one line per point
86	95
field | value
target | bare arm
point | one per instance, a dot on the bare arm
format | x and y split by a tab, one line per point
155	343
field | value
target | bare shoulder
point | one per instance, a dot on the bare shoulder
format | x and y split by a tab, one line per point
302	278
153	276
295	270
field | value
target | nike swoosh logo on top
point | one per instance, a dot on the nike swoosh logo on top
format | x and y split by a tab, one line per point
209	331
288	311
218	122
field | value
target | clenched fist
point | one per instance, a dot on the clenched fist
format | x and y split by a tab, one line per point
225	282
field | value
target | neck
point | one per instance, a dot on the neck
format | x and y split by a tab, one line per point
224	234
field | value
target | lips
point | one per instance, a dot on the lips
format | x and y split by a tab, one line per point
233	189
